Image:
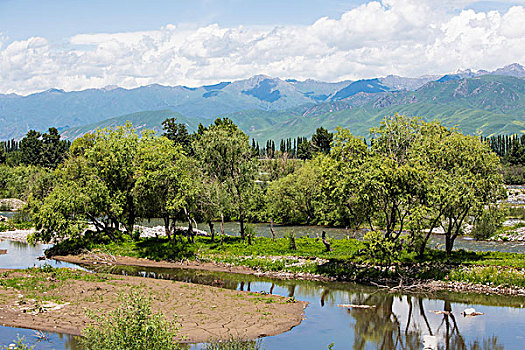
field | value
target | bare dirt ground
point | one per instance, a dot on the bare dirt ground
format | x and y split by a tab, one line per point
204	313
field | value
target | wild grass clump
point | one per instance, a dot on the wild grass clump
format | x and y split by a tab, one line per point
489	275
132	326
19	344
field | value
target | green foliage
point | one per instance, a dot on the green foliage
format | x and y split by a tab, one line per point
17	182
45	150
226	155
132	326
178	133
488	223
516	212
322	140
489	275
379	248
513	174
294	198
19	344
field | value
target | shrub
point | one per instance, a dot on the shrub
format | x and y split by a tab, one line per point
132	326
379	248
489	222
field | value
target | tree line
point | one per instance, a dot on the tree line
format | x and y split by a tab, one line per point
35	149
413	178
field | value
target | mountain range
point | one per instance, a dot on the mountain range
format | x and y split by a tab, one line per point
478	102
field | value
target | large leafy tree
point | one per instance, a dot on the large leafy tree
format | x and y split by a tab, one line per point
295	197
342	178
394	183
466	178
225	154
95	185
159	179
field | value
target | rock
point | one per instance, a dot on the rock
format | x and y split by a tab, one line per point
430	342
12	204
471	312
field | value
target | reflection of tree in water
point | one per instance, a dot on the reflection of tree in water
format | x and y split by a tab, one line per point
379	325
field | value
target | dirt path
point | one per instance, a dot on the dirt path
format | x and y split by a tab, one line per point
47	301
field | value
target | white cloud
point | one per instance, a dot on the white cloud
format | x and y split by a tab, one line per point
405	37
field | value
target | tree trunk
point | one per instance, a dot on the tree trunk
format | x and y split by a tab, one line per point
271	229
167	227
212	230
448	243
241	221
293	246
222	229
326	243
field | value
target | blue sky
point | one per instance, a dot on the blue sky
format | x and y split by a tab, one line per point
56	19
89	44
59	19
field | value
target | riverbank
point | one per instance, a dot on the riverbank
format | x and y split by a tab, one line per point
59	300
471	279
484	272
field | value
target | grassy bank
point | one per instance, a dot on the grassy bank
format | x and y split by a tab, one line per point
349	260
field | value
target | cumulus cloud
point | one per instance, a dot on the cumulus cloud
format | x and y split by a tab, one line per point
404	37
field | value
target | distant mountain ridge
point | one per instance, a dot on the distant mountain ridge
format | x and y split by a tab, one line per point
269	100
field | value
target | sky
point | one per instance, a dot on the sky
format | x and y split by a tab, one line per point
80	44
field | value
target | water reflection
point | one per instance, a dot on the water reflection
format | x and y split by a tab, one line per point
21	255
391	321
53	340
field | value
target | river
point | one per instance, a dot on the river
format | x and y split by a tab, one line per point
392	321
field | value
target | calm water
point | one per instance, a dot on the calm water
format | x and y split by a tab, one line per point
394	321
19	256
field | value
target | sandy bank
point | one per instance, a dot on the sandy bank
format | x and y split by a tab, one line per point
204	312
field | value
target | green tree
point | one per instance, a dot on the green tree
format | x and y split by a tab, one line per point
342	203
3	155
159	177
467	172
53	149
393	181
96	185
295	197
225	154
322	140
178	133
31	148
304	149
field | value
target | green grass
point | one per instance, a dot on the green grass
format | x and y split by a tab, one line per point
348	260
10	226
35	281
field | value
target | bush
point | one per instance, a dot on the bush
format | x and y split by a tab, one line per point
132	326
488	224
22	217
379	248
